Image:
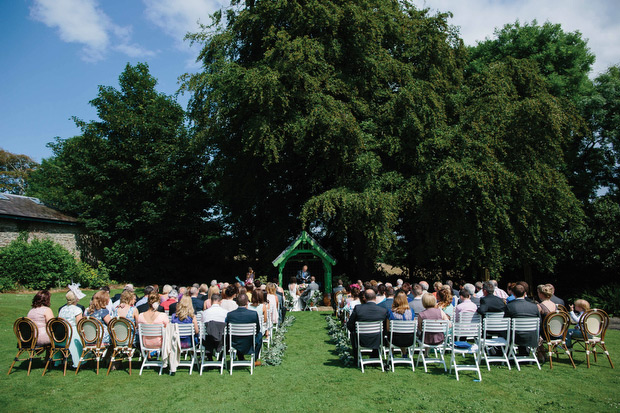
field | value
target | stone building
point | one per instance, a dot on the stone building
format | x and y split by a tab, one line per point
24	214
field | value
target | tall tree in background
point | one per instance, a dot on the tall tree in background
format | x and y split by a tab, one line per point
135	180
14	172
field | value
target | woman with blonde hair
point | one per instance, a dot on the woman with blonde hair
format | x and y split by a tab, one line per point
272	300
431	312
577	311
185	315
98	310
546	306
214	289
72	313
152	316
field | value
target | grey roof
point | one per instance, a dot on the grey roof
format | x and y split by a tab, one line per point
23	207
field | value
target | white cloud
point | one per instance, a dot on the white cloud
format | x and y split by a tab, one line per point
597	20
179	17
83	22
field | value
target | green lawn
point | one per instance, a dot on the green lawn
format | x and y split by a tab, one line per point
309	379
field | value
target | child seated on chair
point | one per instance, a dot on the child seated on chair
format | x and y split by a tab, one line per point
577	311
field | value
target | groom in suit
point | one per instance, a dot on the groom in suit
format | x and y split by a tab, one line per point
242	315
369	311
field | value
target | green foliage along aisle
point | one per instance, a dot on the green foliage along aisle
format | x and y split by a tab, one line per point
339	337
272	356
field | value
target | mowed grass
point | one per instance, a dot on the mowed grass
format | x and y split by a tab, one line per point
310	378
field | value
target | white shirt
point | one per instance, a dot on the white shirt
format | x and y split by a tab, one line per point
214	313
229	305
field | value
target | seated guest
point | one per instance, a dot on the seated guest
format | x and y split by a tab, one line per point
203	292
471	289
400	309
214	289
406	288
521	308
72	314
215	312
127	309
444	300
466	305
546	306
479	289
526	288
152	316
490	303
171	301
40	314
509	288
258	305
242	315
554	298
73	288
369	311
499	292
454	291
147	291
197	302
249	289
436	287
431	312
381	293
185	315
416	304
117	297
354	299
273	302
98	310
182	292
165	291
389	298
580	308
228	301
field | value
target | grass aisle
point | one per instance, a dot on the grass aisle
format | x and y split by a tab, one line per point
310	378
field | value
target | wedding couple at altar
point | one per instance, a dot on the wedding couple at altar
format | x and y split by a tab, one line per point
301	289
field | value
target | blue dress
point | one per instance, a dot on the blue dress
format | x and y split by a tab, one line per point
100	315
186	341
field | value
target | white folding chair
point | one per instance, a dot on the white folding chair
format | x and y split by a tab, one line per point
495	334
433	326
242	330
151	330
524	325
402	327
465	341
499	314
199	317
187	330
369	327
468	317
220	360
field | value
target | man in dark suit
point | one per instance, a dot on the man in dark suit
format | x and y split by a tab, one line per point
369	311
312	287
303	275
242	315
490	303
389	299
521	308
197	302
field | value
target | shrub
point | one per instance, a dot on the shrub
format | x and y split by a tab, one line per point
40	264
606	298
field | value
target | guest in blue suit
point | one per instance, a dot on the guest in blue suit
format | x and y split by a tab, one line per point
243	315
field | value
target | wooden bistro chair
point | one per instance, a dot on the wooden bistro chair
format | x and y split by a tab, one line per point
593	328
59	332
122	332
555	327
91	333
27	334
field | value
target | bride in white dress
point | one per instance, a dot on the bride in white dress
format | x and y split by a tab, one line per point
292	289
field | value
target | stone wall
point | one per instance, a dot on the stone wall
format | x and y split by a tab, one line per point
72	237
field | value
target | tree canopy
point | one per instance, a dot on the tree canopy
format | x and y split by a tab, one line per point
14	172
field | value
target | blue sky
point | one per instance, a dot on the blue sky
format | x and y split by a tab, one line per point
57	52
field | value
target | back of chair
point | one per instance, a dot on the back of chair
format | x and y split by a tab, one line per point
594	323
461	329
495	325
403	327
121	332
199	317
150	330
242	329
59	332
555	325
435	326
468	317
90	331
526	324
186	329
561	308
499	314
26	332
369	327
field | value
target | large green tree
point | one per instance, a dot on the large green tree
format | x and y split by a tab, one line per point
134	179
